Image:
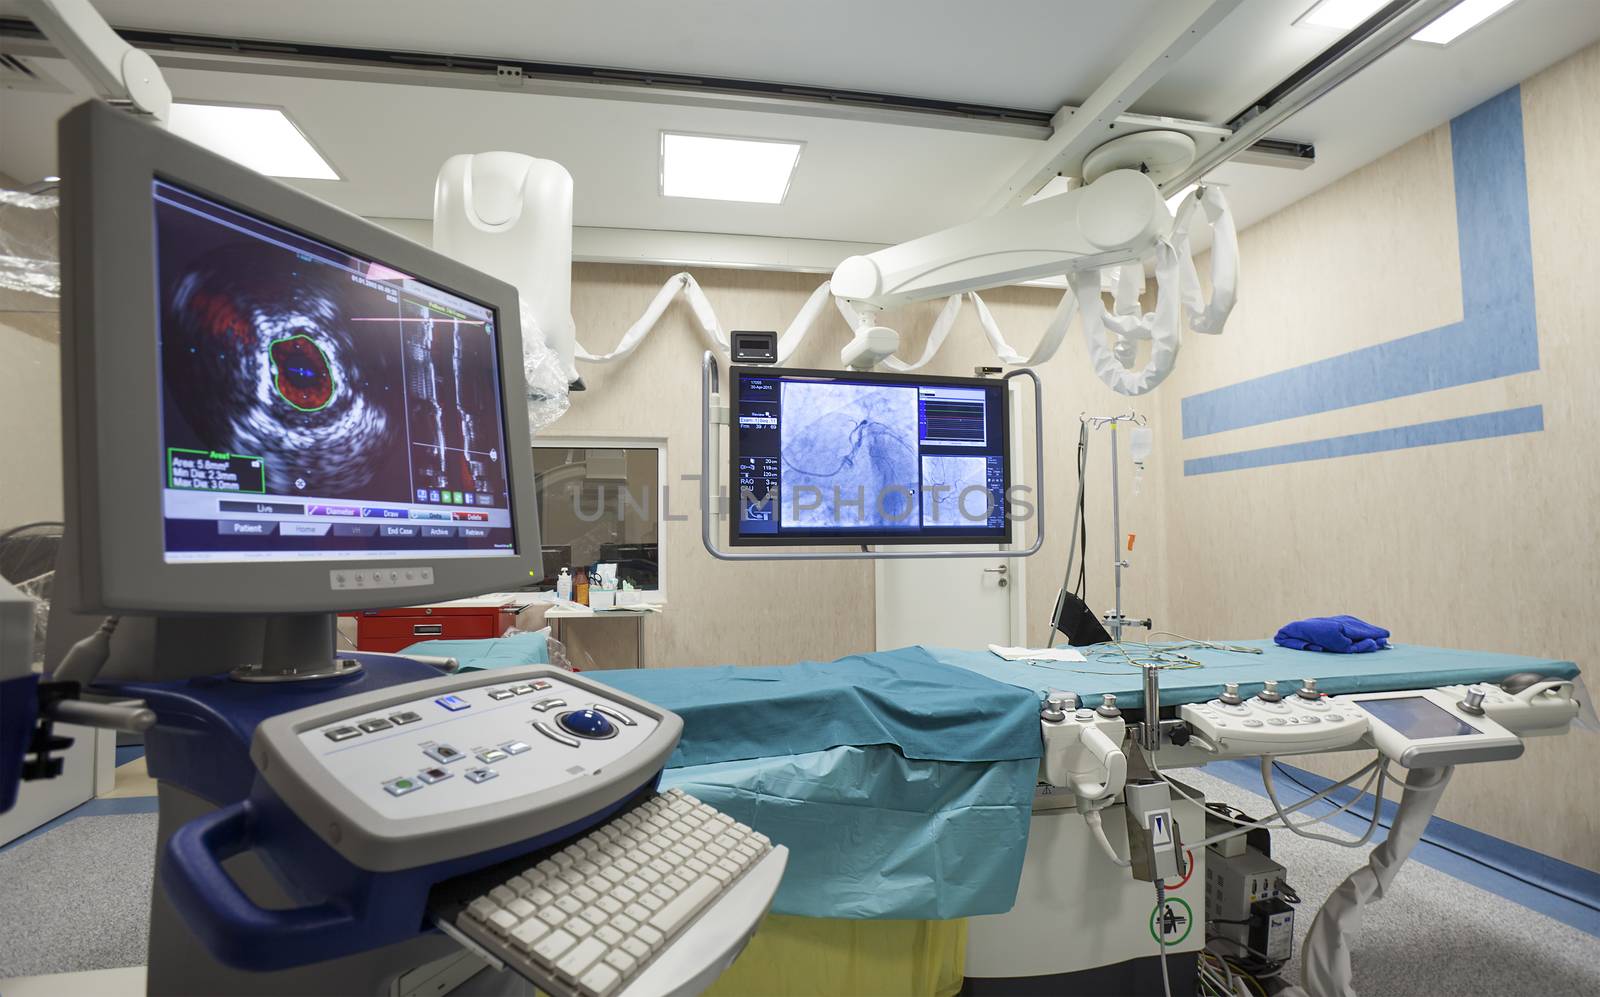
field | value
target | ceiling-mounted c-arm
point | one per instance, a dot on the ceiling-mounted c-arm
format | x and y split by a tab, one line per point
1118	218
117	71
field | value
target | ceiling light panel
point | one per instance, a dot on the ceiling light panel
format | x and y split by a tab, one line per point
1342	15
720	168
262	138
1460	19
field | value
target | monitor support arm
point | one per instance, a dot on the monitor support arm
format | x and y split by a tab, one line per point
117	71
1117	219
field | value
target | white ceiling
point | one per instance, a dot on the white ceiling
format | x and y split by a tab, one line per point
857	181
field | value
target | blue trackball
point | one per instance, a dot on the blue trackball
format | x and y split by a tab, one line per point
587	723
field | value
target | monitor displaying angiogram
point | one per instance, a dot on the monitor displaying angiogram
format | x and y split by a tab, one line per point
848	457
316	404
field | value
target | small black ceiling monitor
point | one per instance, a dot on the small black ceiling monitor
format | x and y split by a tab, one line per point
272	406
845	457
752	346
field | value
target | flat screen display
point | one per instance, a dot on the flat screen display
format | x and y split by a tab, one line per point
829	457
317	405
1416	718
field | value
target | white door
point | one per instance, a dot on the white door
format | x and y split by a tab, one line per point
966	602
963	602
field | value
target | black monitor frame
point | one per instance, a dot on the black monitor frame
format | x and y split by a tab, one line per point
847	537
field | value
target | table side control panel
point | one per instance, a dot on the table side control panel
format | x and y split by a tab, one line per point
1546	708
488	744
1430	728
1290	725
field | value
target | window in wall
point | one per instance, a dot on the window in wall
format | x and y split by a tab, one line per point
600	503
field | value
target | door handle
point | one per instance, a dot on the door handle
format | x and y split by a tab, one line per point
998	571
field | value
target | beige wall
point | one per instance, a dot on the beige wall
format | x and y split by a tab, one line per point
769	613
1490	544
782	612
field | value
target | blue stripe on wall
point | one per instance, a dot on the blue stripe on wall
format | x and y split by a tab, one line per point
1496	337
1422	434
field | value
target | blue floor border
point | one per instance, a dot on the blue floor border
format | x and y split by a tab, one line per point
1559	890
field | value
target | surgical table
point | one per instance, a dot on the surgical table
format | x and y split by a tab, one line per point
903	781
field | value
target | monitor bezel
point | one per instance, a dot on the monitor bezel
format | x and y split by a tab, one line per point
111	372
920	537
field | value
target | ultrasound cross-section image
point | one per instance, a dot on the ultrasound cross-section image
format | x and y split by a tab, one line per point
270	355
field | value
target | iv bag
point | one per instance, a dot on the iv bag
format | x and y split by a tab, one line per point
1140	442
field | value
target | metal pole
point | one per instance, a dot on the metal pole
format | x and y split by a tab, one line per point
1116	534
1150	733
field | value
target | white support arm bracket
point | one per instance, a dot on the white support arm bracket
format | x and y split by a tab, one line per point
1079	130
1118	218
116	70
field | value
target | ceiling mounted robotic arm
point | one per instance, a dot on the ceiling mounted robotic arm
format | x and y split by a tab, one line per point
1117	215
1116	219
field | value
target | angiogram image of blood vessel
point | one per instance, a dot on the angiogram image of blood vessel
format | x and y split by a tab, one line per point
262	358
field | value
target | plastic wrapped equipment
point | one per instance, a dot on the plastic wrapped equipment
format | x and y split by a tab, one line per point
29	259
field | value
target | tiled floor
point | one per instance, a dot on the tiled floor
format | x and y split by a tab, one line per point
133	782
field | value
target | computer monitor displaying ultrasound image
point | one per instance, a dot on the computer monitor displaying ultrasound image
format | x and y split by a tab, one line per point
316	404
830	457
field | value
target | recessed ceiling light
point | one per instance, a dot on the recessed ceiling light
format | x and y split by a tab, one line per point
727	169
262	138
1460	19
1340	14
1343	15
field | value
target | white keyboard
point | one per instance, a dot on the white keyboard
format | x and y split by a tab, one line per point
589	919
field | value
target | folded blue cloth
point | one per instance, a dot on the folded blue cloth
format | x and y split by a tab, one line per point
1333	635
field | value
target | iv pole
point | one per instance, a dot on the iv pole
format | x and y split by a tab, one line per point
1115	621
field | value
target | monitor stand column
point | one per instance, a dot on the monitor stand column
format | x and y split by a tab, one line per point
298	647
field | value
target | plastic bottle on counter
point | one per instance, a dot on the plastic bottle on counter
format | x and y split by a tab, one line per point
564	585
580	587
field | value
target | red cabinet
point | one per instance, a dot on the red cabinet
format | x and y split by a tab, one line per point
396	629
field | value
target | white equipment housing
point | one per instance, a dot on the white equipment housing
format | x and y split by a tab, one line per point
871	346
1116	219
510	215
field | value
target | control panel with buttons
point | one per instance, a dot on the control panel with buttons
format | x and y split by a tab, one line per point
504	738
1545	706
1275	725
379	578
440	792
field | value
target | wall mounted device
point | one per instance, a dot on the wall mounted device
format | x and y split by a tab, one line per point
753	346
828	457
716	413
